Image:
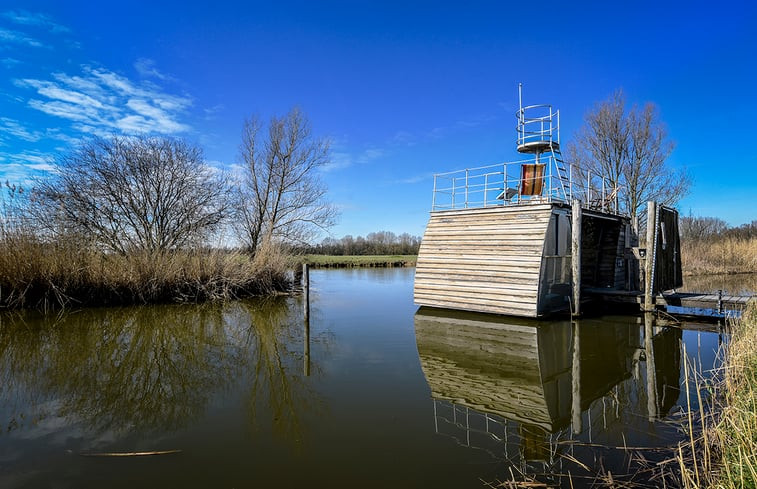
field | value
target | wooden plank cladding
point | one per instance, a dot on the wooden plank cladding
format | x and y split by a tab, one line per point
484	260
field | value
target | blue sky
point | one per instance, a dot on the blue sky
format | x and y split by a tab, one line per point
403	89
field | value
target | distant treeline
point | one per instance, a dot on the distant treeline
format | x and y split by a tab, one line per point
706	228
378	243
710	245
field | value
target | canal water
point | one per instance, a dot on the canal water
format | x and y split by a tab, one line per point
374	393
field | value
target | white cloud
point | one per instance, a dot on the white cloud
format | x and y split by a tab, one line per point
24	17
340	159
15	37
9	62
100	102
14	128
415	179
146	69
47	167
20	168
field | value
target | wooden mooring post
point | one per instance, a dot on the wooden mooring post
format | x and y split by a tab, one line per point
575	394
652	410
306	290
576	256
649	261
306	318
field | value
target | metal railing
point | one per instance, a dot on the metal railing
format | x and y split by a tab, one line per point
503	184
538	124
494	185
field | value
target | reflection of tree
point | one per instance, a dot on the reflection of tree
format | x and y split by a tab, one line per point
278	385
150	367
153	368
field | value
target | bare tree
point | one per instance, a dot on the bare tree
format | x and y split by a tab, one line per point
281	196
701	228
127	194
629	148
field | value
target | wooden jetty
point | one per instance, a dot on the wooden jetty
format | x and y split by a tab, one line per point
533	237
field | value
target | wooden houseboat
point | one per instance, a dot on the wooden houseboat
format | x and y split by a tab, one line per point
502	238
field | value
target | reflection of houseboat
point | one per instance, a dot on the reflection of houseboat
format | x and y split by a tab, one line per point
500	238
535	381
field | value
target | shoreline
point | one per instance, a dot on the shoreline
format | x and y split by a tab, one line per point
360	261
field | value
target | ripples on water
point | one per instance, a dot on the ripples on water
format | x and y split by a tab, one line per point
383	394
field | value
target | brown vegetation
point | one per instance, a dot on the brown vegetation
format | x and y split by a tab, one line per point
709	246
722	255
35	274
721	450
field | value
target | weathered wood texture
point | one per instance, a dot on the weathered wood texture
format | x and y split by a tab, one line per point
575	241
511	369
668	273
600	242
692	300
484	260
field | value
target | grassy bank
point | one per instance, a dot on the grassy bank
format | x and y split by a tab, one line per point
719	255
34	274
724	442
349	261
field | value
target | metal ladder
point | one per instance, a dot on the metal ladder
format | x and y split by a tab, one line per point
563	175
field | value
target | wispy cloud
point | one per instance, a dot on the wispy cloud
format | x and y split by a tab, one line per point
415	179
100	101
342	159
23	17
147	69
11	127
20	168
9	62
15	37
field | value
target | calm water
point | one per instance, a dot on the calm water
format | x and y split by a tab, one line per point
376	394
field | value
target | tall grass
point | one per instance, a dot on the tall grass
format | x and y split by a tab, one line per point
42	275
719	255
722	447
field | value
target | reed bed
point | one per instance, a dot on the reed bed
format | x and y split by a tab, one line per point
41	275
719	255
719	449
717	422
723	454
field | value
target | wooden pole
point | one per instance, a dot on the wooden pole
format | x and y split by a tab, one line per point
649	262
306	359
576	255
306	317
651	373
306	291
575	406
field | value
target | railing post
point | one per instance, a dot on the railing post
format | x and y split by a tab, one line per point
454	184
433	195
466	188
486	186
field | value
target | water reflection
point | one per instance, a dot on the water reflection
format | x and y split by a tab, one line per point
151	368
744	283
528	391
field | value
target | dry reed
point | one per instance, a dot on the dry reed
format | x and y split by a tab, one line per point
35	274
721	450
719	255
